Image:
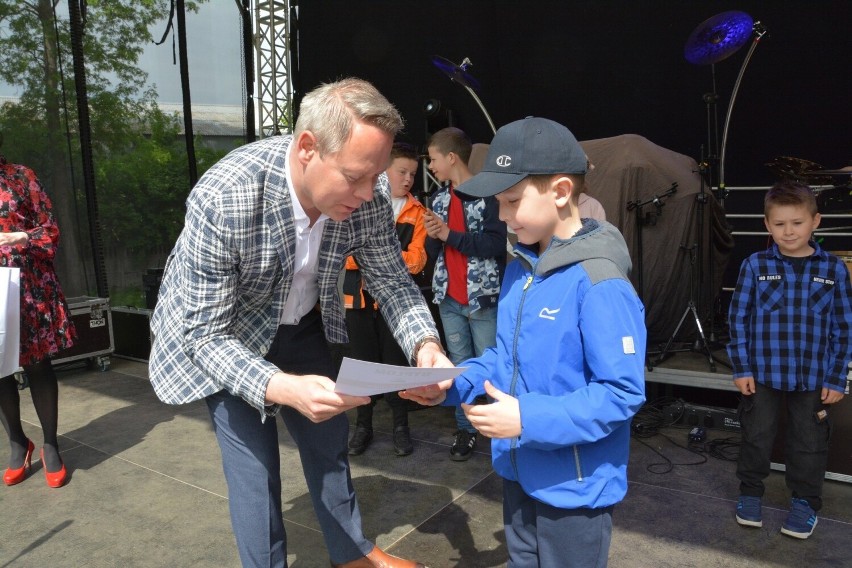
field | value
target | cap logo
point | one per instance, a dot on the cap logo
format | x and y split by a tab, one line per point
504	161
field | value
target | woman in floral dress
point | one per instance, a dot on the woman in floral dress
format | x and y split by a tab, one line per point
28	239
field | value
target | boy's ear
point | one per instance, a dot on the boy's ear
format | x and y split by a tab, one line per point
563	188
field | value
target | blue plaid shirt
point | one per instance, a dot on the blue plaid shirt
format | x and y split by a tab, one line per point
789	329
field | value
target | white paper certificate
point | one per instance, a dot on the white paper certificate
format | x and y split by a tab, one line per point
362	378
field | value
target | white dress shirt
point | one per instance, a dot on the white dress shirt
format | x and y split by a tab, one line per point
304	291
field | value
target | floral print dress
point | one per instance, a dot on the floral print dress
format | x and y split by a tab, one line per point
46	326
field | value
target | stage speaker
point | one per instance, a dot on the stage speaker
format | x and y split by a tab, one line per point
132	330
839	465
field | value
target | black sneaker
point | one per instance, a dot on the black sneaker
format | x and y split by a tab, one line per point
402	441
463	446
360	440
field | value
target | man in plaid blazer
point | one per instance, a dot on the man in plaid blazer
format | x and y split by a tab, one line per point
249	298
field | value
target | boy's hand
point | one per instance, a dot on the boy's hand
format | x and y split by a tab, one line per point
499	419
430	395
435	228
831	396
745	384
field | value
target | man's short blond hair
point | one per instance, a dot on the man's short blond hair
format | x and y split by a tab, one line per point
331	110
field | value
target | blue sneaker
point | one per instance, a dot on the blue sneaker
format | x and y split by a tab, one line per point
748	511
801	521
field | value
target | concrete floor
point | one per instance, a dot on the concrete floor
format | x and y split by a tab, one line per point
147	489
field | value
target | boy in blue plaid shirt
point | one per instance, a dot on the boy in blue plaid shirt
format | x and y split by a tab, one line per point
790	319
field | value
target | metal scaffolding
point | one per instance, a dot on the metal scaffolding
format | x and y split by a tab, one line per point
274	85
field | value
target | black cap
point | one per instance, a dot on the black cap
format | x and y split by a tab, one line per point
523	148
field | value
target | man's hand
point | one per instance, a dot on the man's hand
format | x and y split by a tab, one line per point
829	396
435	228
745	384
312	395
432	356
499	419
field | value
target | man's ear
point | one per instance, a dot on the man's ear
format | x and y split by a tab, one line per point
306	146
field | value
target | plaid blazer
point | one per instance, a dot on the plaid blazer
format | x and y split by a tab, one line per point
228	276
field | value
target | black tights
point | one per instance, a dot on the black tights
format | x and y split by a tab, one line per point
45	394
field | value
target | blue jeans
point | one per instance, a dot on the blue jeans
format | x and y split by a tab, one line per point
542	536
805	442
251	461
468	333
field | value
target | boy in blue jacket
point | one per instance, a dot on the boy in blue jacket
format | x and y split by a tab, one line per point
567	373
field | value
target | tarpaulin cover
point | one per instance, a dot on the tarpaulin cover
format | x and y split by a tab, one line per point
630	168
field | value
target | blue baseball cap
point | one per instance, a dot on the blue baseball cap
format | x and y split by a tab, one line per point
523	148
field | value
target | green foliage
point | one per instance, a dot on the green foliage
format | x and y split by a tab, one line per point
143	184
139	157
115	33
24	136
132	296
141	172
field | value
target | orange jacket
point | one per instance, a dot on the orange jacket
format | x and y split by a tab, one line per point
412	239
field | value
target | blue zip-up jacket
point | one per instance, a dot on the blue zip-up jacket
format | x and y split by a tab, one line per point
571	349
789	330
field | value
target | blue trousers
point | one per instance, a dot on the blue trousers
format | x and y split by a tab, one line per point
541	536
468	333
251	461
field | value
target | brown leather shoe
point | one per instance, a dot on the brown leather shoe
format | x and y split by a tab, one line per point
379	559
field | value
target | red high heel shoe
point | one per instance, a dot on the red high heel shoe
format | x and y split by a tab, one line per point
54	478
15	476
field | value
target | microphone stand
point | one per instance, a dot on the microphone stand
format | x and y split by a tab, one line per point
701	345
641	221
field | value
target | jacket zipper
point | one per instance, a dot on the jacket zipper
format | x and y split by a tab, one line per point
577	463
514	445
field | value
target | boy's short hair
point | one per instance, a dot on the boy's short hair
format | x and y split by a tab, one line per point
403	150
542	181
790	193
452	139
